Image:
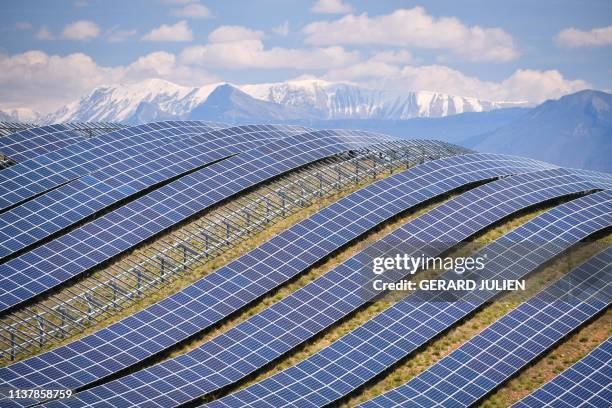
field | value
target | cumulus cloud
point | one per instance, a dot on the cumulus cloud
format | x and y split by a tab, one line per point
380	65
194	10
415	28
44	34
282	30
532	86
115	35
82	30
234	33
177	32
237	47
252	54
331	7
574	38
44	82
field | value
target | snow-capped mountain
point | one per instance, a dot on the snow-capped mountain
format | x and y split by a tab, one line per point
19	115
157	99
333	100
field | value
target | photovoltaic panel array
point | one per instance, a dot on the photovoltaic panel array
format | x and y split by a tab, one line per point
29	143
242	349
588	383
31	177
381	342
47	214
484	362
73	253
215	296
8	128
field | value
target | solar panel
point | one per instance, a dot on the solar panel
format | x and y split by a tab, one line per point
30	143
48	214
55	262
42	173
210	300
8	128
487	360
588	383
257	341
391	335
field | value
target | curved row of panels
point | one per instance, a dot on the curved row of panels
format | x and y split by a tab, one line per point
266	336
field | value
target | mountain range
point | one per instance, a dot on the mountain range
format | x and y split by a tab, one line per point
573	131
157	99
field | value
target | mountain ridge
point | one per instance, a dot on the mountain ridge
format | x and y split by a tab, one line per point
572	131
316	98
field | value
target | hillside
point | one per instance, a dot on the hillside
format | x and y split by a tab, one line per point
573	131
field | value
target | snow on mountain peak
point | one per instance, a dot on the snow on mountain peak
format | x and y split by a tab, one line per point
320	98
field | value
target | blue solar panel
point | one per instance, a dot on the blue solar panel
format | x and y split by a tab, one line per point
483	363
26	179
55	262
382	341
588	383
267	335
29	143
210	300
40	217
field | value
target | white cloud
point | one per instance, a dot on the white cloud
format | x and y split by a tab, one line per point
523	85
402	56
234	33
282	30
23	25
415	28
380	65
237	47
331	7
247	54
82	30
194	10
574	38
177	32
44	82
44	34
115	35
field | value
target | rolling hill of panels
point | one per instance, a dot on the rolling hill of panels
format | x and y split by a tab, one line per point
187	263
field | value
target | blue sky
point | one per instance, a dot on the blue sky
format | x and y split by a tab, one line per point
54	52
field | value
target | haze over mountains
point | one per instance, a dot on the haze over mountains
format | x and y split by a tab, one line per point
574	131
315	98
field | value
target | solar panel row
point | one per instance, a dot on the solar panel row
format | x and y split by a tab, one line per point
63	258
284	256
8	128
60	208
487	360
390	336
588	383
31	142
238	352
42	173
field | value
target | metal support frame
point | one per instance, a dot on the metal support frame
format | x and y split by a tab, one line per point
196	243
